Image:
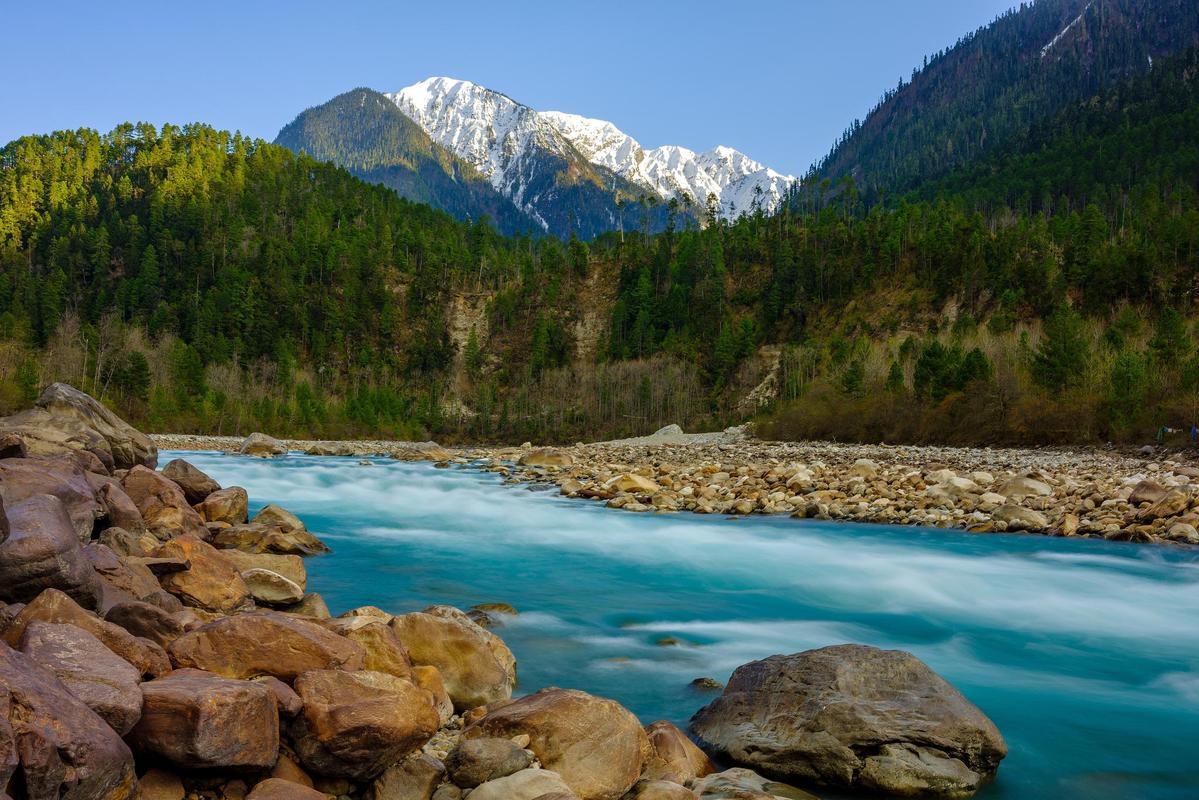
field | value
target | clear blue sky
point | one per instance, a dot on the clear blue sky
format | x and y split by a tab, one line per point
777	80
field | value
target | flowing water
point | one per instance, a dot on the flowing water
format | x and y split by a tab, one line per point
1084	653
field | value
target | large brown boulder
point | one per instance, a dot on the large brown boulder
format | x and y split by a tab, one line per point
125	576
595	744
384	653
545	457
476	666
196	720
415	778
104	682
289	566
256	537
62	477
128	446
475	761
261	445
55	607
162	504
355	724
745	784
119	509
674	757
65	751
195	484
147	621
265	643
528	784
42	551
853	717
211	582
225	505
280	789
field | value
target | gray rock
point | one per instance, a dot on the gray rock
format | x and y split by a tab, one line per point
195	484
476	761
41	552
528	784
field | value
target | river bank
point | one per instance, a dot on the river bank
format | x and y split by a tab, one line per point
1138	496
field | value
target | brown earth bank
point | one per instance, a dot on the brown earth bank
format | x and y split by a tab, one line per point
1147	495
157	643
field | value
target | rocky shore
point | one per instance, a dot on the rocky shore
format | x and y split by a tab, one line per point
156	642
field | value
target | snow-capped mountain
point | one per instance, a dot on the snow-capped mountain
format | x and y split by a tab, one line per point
501	137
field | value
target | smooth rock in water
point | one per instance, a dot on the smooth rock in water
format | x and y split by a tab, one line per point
1020	518
330	449
104	682
476	666
674	757
195	484
261	445
196	720
414	778
25	478
162	504
225	505
355	724
259	538
42	552
279	789
211	582
384	652
528	784
595	744
490	615
546	457
1022	486
745	784
61	747
824	716
475	761
55	607
271	588
265	643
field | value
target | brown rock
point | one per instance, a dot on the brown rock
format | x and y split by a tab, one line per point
384	653
211	582
595	744
126	445
475	665
225	505
476	761
674	757
126	543
162	504
265	643
1147	491
745	784
313	605
196	720
195	484
147	621
272	589
287	769
279	789
65	750
528	784
1172	504
429	679
129	577
414	778
158	784
119	509
41	552
286	699
91	672
12	446
289	566
24	478
355	724
260	538
261	445
661	790
546	457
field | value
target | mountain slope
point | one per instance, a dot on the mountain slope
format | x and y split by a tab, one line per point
996	83
365	133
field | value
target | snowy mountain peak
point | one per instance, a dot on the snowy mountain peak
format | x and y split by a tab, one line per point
499	136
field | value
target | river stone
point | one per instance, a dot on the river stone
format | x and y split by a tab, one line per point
257	537
126	576
528	784
313	605
355	724
475	761
265	643
104	682
64	750
61	477
147	621
280	789
42	551
414	778
119	509
476	666
1172	504
595	744
128	446
162	504
429	679
195	484
289	566
211	582
1147	491
1023	486
837	717
546	457
225	505
633	483
261	445
863	468
196	720
271	588
158	784
1020	518
745	784
674	757
384	652
659	790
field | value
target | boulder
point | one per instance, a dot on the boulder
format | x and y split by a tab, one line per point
119	509
261	538
633	483
674	757
196	720
429	679
475	761
745	784
863	468
158	784
313	605
23	478
65	751
1172	504
195	484
355	724
546	457
528	784
414	778
104	682
595	744
126	576
126	543
853	717
55	607
384	653
1019	518
280	789
660	790
211	581
42	551
330	449
289	566
162	504
476	667
1023	486
225	505
272	589
261	445
12	445
288	702
265	643
1147	491
146	620
128	446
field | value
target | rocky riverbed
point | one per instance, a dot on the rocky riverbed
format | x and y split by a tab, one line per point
157	642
